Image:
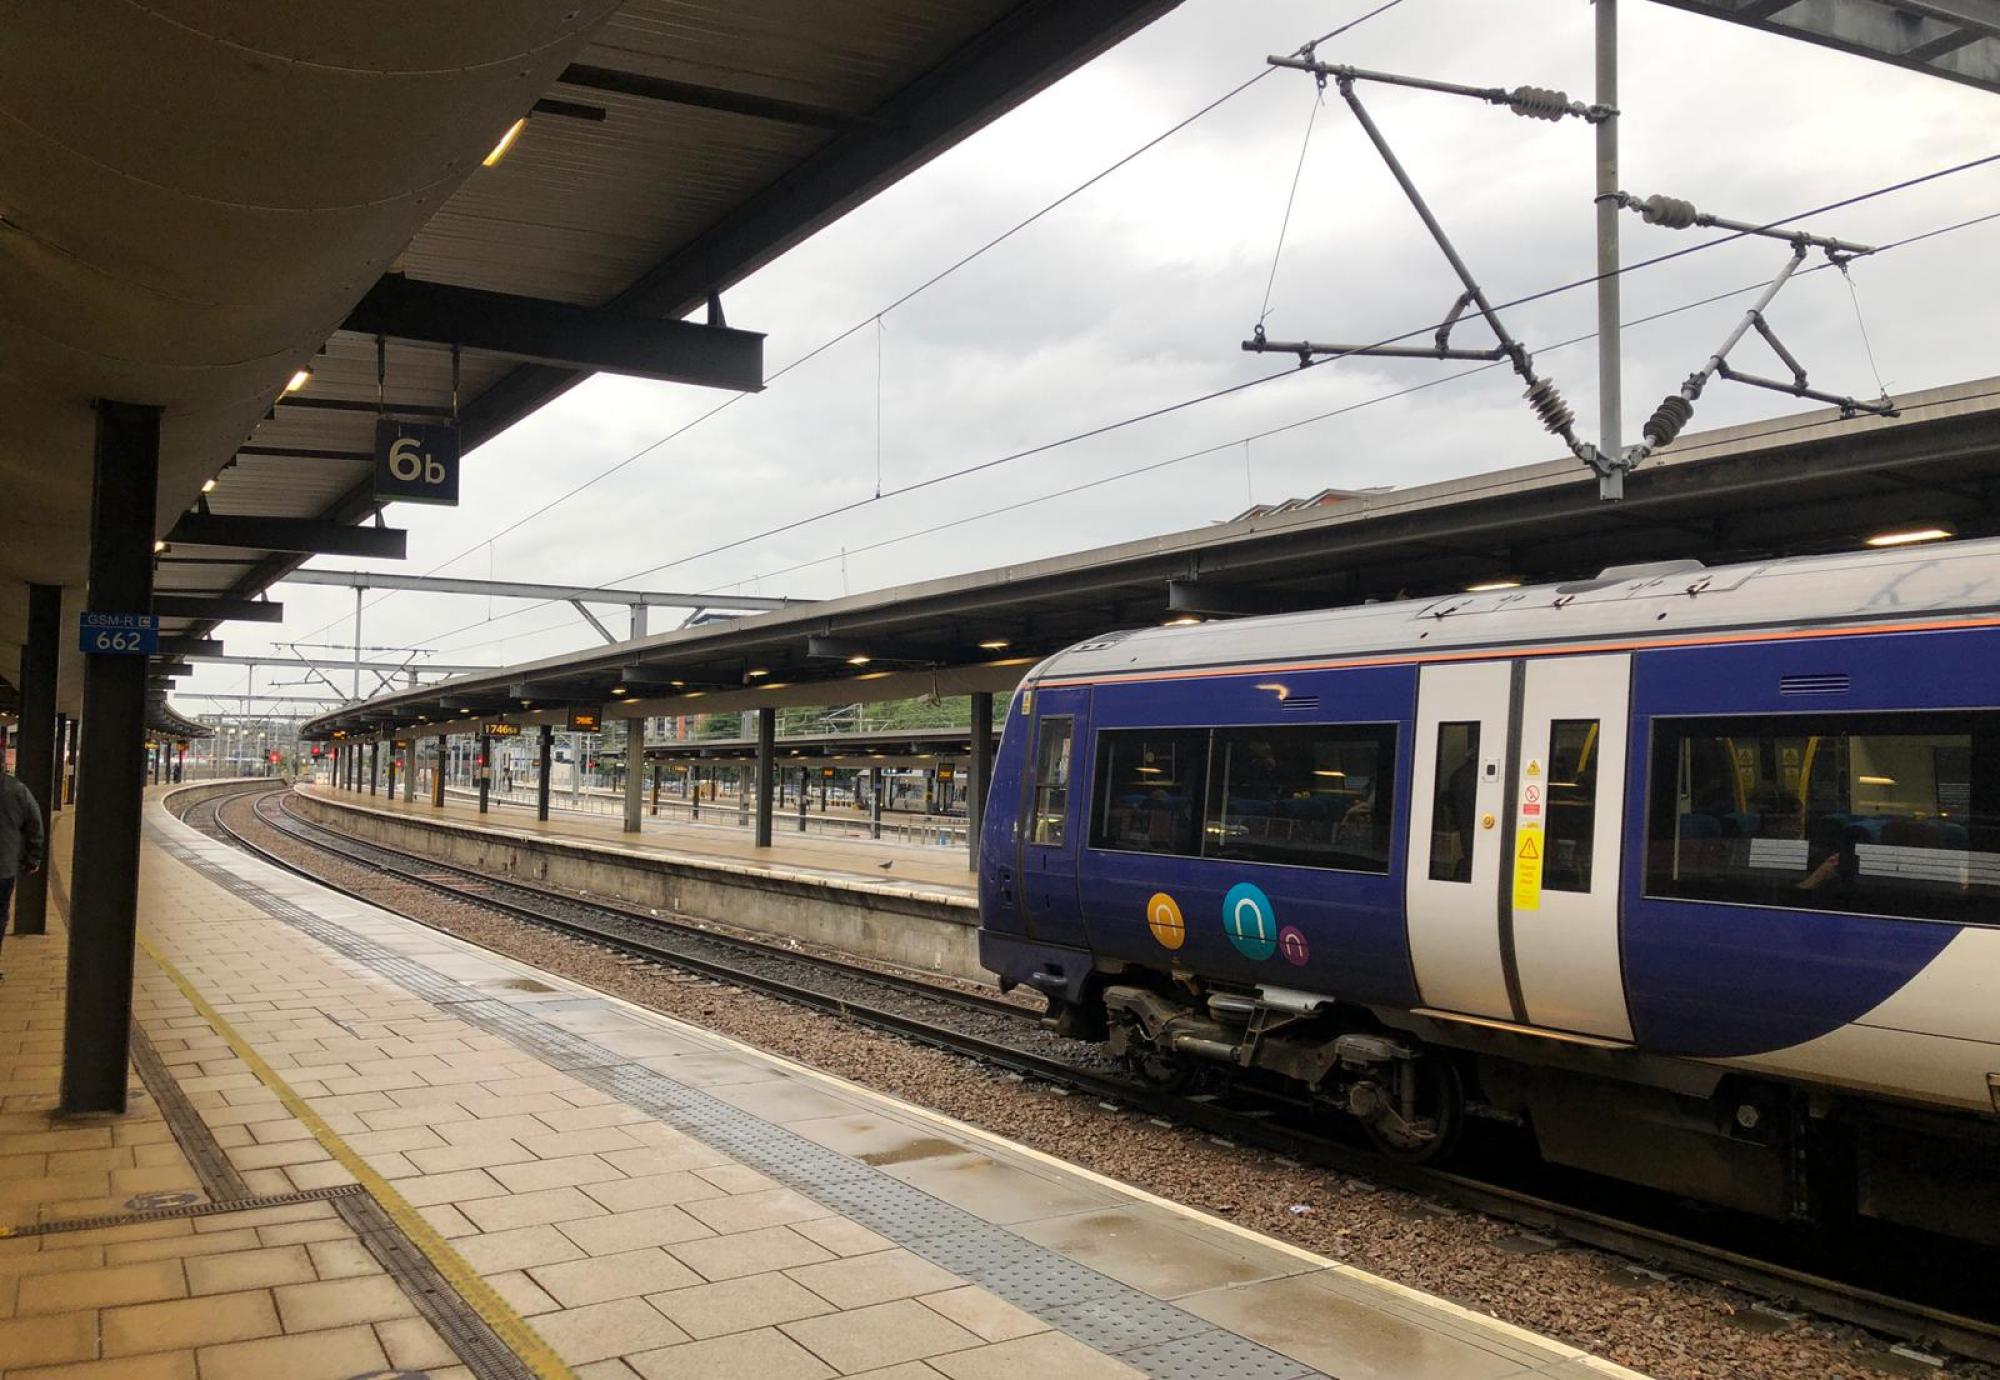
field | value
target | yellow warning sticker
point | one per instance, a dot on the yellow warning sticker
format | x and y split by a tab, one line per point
1528	868
1534	767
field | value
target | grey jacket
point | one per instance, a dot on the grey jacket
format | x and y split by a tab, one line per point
21	838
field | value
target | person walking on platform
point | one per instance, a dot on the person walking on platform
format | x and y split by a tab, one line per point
21	839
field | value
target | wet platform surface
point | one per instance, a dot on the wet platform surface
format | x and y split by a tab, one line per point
357	1145
932	871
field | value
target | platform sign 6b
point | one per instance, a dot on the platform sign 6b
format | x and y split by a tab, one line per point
119	634
416	463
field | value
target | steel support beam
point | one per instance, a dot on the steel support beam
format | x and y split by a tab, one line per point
374	767
705	97
306	536
981	773
35	753
561	333
767	735
218	610
437	776
190	646
104	903
545	757
314	663
484	766
519	589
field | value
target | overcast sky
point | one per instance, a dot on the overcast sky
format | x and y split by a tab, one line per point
1136	294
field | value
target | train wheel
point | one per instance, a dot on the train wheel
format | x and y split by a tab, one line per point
1440	1102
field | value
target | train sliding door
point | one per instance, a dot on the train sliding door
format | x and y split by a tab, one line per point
1457	802
1569	801
1052	816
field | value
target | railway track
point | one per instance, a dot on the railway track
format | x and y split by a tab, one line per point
995	1033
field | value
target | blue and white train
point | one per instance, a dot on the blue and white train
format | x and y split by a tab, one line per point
1695	871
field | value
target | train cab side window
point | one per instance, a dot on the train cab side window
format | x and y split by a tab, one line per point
1052	743
1882	814
1571	822
1149	790
1454	798
1308	795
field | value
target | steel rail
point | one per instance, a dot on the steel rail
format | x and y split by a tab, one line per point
1856	1305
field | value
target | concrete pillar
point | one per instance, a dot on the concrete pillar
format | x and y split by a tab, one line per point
981	773
544	755
104	904
483	765
875	802
635	765
437	777
392	770
374	766
767	748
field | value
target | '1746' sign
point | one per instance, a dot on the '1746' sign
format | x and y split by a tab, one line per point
416	462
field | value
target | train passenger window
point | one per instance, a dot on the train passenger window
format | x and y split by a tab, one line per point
1570	827
1051	781
1884	814
1148	795
1453	802
1310	795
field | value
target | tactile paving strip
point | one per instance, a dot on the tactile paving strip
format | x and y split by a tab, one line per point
1095	1308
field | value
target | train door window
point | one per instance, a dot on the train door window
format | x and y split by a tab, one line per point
1887	814
1310	795
1148	790
1454	800
1052	745
1571	827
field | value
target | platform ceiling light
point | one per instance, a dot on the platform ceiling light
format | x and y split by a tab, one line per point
756	673
678	684
1876	780
1910	536
208	486
993	644
299	379
1492	586
859	659
506	142
1185	620
158	547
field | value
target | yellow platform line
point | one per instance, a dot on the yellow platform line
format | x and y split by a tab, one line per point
508	1325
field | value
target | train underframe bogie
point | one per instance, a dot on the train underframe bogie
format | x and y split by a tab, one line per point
1696	1130
1409	1099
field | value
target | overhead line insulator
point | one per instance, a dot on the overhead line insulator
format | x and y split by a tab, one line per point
1667	420
1670	211
1555	414
1538	102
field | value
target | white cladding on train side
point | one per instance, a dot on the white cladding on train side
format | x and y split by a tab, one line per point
1933	581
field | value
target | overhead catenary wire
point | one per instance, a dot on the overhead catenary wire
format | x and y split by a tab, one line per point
1156	465
904	299
1154	413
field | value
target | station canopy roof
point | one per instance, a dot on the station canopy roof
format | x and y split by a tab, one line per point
1788	486
199	201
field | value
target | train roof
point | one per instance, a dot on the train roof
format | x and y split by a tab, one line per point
1659	602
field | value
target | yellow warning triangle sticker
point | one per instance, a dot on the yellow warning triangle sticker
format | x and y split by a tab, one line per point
1528	849
1534	767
